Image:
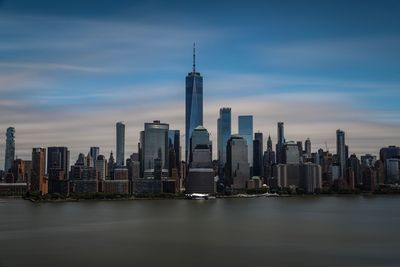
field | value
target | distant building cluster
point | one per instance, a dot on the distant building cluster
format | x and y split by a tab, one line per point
243	162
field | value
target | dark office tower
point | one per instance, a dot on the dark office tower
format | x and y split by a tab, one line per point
279	146
174	149
10	149
120	143
237	164
341	151
258	154
268	159
354	166
307	145
38	178
194	103
111	166
246	131
57	169
154	150
269	143
94	153
224	132
300	147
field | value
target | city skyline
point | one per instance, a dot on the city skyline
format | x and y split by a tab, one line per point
319	81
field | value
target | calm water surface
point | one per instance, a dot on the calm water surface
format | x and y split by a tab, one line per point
304	231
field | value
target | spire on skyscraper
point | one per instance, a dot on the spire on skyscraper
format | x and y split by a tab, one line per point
194	57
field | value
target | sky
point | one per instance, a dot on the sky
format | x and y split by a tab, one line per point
69	70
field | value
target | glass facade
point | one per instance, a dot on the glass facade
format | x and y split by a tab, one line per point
279	146
174	147
341	151
154	145
10	148
194	105
224	132
120	143
246	131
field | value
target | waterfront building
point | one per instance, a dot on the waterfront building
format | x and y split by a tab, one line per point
258	152
39	182
154	150
200	136
268	159
94	153
392	172
21	171
174	149
111	165
368	160
353	164
291	153
280	152
307	145
200	178
246	131
307	176
120	138
238	168
194	104
341	151
101	167
10	149
224	132
57	169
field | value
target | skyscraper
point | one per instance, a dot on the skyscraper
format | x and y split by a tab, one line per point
194	103
38	178
94	153
154	150
258	152
10	149
57	169
269	159
279	146
200	177
224	132
246	131
307	144
200	136
341	151
120	143
238	168
174	149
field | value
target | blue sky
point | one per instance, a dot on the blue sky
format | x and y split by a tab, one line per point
69	70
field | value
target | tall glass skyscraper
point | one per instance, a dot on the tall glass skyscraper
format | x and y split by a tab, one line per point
258	153
154	149
341	151
94	153
120	143
194	103
10	148
174	149
224	132
279	146
246	131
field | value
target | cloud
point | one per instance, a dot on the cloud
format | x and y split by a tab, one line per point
344	52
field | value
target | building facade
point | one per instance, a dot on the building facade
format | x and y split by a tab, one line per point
224	131
154	150
246	131
10	149
194	104
120	137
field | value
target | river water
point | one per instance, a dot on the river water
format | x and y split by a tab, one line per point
292	231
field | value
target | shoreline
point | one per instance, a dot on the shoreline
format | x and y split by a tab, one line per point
180	197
